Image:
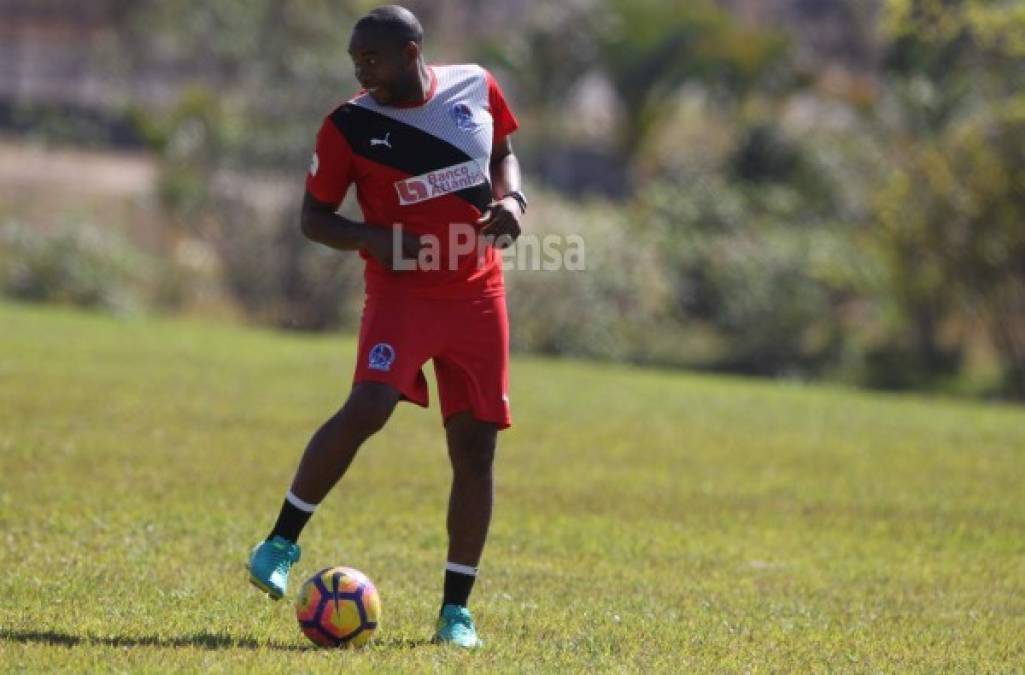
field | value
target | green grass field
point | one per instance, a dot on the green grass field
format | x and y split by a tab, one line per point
645	521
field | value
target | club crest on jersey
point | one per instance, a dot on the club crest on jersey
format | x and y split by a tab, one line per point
382	355
463	116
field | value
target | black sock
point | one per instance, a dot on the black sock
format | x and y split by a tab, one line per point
290	523
457	587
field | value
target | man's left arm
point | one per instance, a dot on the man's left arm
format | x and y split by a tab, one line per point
501	218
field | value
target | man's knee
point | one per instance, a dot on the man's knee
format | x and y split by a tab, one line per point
369	406
479	461
471	444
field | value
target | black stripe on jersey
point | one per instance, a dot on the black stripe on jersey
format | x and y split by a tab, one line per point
412	150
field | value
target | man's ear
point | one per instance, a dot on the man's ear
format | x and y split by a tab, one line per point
412	52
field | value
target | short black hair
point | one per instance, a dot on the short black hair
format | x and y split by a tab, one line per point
394	22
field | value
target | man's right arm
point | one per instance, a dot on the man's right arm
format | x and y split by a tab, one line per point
321	224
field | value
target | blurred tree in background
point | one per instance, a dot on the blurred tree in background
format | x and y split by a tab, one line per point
951	206
269	69
650	48
645	50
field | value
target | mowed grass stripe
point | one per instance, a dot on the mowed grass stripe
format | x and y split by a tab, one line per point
646	521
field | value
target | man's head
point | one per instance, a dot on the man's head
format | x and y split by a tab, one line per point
386	49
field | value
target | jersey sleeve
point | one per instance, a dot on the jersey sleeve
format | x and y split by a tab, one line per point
330	172
505	121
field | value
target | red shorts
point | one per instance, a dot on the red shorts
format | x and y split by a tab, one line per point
467	339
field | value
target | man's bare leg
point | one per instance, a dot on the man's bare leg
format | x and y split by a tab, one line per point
471	448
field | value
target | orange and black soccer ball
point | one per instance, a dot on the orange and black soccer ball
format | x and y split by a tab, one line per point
338	607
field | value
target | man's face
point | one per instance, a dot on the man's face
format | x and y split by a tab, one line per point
382	66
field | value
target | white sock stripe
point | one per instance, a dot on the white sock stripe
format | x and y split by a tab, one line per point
461	569
300	504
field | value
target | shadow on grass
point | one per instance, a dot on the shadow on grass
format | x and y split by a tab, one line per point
200	640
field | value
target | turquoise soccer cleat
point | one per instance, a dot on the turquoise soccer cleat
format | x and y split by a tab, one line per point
455	627
269	564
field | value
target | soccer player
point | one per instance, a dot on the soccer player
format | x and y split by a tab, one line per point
427	148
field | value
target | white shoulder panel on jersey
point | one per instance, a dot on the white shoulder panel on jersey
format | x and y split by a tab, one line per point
458	113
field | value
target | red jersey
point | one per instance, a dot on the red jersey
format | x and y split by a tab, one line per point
424	167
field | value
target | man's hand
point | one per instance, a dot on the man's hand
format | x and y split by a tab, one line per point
379	242
501	222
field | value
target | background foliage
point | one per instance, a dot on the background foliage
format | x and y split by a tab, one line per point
751	200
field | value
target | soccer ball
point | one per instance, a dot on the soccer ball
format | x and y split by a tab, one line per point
338	607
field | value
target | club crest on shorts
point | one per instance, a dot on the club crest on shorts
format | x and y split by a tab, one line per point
382	355
463	116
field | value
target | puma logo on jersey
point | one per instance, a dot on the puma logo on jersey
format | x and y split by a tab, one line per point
381	141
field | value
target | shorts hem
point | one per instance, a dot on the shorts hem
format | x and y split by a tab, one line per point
404	394
502	424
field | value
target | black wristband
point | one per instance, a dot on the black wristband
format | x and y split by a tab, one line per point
520	199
